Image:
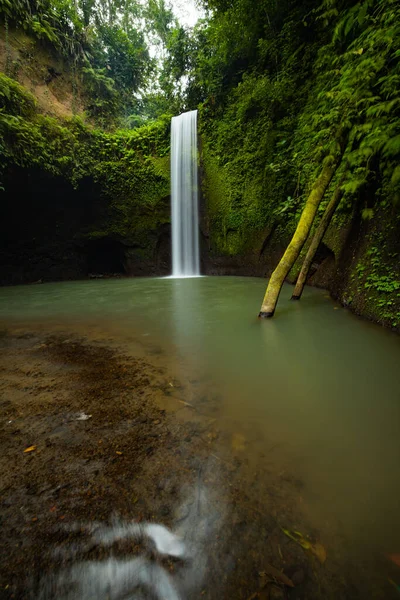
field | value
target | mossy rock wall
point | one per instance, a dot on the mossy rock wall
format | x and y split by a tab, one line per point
70	191
363	271
358	260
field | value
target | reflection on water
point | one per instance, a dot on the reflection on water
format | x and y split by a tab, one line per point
317	384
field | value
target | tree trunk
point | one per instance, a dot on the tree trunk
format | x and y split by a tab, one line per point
319	234
302	231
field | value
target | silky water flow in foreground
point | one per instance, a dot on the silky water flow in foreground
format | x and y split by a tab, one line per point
308	404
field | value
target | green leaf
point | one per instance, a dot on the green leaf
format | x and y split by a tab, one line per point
367	214
362	14
395	179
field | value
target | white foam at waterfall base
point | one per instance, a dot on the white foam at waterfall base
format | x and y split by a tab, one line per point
184	196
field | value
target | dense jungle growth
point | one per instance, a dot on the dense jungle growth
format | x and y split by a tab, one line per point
300	138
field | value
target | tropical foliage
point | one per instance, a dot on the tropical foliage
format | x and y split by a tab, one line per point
131	167
282	88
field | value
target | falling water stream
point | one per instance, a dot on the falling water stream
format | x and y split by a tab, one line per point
184	196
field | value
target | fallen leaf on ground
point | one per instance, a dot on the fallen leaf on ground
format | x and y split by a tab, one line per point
30	449
118	452
280	577
317	549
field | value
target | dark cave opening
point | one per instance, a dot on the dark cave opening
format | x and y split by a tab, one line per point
105	256
43	220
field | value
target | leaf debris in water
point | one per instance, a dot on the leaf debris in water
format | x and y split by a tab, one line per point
280	577
317	549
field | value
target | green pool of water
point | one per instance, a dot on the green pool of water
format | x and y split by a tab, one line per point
315	390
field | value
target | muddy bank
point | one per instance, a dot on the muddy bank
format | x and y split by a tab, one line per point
106	463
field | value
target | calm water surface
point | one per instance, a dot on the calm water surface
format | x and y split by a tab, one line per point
318	385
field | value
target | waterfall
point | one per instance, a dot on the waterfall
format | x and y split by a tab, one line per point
184	196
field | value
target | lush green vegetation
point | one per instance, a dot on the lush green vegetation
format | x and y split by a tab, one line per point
276	125
130	166
287	87
106	44
283	88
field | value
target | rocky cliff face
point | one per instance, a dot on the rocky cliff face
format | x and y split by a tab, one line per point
42	72
76	201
